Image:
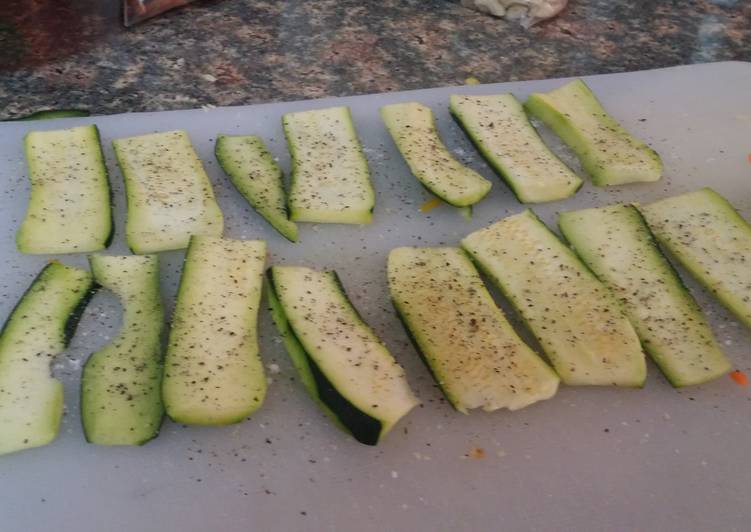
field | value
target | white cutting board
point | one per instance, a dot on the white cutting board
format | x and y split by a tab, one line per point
588	460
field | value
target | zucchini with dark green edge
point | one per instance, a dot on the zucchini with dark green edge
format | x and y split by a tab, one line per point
499	128
53	114
341	361
121	402
464	338
39	328
412	126
618	247
577	320
69	207
711	240
213	374
606	150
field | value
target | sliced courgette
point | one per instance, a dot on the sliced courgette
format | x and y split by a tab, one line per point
412	126
169	194
39	328
341	361
606	150
330	176
617	246
576	319
213	373
52	114
711	240
473	352
121	402
252	169
499	128
69	208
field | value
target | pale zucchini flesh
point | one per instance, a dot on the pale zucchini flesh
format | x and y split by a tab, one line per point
168	192
69	208
578	322
412	126
618	247
609	153
502	133
471	349
213	374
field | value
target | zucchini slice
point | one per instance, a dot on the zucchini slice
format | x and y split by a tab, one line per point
252	169
330	176
342	363
576	319
69	208
711	240
213	373
121	402
606	150
52	114
38	329
412	126
617	246
473	352
169	194
499	128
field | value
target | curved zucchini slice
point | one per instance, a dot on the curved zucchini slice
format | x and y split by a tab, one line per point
38	329
52	114
341	361
213	373
576	319
121	402
330	176
473	352
499	128
412	126
252	169
169	194
617	246
69	208
711	240
606	150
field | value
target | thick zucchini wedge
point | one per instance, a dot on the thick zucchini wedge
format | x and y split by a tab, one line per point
69	208
169	194
40	327
576	319
121	400
617	246
342	362
606	150
213	373
711	240
330	176
473	352
499	128
252	169
412	126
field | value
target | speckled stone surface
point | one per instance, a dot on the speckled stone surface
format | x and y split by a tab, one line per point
76	54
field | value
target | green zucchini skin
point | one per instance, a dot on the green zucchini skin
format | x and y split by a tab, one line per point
52	114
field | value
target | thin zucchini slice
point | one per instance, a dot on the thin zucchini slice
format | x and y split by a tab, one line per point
341	361
52	114
330	176
69	208
617	246
121	402
213	374
606	150
412	126
473	352
252	169
576	319
499	128
711	240
169	194
38	329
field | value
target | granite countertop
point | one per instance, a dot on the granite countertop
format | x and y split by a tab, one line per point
76	54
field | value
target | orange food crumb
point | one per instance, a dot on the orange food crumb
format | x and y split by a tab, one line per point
431	204
749	157
477	453
739	377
